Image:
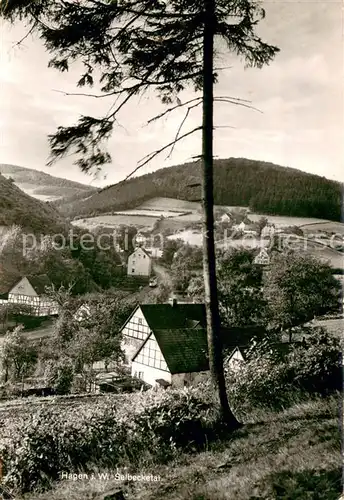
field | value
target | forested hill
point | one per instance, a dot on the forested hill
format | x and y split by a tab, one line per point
44	186
17	207
264	187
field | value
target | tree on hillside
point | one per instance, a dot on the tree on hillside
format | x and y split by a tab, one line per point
297	288
241	300
187	262
263	222
78	343
170	248
18	356
240	289
137	45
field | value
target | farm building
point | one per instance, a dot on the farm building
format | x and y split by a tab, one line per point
154	252
139	263
239	354
175	357
240	227
268	231
166	344
28	291
262	258
140	239
148	317
235	358
226	218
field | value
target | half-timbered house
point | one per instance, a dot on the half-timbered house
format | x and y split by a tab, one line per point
31	293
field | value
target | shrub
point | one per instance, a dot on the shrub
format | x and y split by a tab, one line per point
107	433
275	376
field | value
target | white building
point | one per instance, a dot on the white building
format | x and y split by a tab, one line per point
154	252
262	258
30	292
268	231
225	218
166	343
139	263
140	239
240	227
235	359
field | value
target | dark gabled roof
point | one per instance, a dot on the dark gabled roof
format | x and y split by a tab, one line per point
161	316
39	282
144	251
184	350
9	280
240	336
280	348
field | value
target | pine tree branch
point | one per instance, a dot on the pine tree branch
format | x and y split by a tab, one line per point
181	126
146	159
230	101
173	108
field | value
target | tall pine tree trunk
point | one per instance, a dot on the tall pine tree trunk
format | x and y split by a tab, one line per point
209	262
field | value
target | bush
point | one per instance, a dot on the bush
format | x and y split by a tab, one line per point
108	433
274	377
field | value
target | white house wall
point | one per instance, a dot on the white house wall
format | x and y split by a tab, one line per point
24	287
149	374
24	294
151	355
235	360
139	264
149	364
135	332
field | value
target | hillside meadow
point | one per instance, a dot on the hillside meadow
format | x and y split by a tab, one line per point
291	454
178	214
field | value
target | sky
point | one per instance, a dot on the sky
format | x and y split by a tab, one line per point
300	97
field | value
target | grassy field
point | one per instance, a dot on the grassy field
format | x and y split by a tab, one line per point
151	213
322	252
333	326
294	454
333	227
285	221
195	238
115	220
188	236
146	214
169	204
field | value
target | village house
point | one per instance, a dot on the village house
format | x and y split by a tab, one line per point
140	239
28	291
268	231
239	354
139	263
226	218
235	358
262	258
240	227
154	252
166	344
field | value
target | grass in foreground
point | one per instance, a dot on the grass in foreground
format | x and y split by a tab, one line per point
294	454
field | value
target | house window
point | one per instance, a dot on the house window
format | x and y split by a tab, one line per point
133	270
140	321
141	375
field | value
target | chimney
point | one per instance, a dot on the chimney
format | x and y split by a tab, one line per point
173	301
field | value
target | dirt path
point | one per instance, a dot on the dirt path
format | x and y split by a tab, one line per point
162	274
